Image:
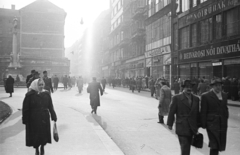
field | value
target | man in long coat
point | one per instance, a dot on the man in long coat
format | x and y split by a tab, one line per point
29	77
93	88
104	82
9	85
164	101
151	86
48	82
214	116
186	108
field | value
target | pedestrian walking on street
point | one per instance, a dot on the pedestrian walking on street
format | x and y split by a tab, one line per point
29	77
164	101
35	76
80	84
103	82
176	87
17	80
202	87
36	112
55	82
151	86
214	116
69	82
48	82
65	82
93	88
186	108
9	87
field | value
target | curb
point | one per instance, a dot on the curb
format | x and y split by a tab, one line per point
7	115
107	141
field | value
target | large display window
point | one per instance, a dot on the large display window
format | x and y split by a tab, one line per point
184	71
205	70
231	68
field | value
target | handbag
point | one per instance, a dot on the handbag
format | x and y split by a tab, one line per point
197	140
55	132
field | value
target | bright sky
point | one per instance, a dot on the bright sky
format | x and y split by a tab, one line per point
76	9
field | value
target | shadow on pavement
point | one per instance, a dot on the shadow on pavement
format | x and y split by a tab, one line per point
100	121
78	94
11	131
2	98
13	116
91	120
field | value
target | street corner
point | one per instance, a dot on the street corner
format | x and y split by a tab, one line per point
5	111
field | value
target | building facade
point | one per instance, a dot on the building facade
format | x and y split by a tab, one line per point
42	38
158	39
34	36
208	38
6	37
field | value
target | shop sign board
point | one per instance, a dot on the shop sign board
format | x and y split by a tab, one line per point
209	10
230	48
158	51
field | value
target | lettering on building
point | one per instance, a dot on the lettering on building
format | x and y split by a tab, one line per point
212	51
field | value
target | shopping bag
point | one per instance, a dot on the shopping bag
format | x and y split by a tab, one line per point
55	132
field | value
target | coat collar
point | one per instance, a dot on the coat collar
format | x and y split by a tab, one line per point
184	99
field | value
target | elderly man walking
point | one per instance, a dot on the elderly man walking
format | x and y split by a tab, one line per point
214	116
93	88
186	108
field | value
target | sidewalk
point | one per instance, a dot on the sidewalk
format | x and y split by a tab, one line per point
230	102
78	131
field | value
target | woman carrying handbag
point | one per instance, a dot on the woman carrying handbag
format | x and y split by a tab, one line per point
36	112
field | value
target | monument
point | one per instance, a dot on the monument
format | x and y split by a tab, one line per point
14	67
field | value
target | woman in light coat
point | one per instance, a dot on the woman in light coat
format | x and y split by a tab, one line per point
164	101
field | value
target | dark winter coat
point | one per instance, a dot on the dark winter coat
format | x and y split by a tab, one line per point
36	112
48	84
93	89
214	117
9	85
187	117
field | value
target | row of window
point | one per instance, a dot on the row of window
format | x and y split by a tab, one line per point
222	25
187	4
117	23
117	8
155	5
159	31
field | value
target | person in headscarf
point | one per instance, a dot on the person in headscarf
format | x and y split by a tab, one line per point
36	111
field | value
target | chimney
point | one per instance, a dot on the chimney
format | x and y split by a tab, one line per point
13	7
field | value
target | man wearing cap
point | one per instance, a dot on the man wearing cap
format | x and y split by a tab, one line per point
93	88
48	82
214	116
186	108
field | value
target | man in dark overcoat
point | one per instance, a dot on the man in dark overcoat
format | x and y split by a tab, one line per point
93	88
29	77
55	82
151	86
186	108
214	116
48	82
9	85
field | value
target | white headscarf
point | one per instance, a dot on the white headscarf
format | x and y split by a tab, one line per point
34	84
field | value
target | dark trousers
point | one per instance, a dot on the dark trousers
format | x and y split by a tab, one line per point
185	144
214	152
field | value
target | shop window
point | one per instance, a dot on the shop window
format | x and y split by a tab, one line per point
205	70
206	30
193	35
184	38
218	26
194	3
184	71
232	22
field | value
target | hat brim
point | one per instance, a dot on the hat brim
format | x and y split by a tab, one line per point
215	83
189	83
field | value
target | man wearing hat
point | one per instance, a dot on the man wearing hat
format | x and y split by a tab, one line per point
186	108
93	88
48	82
214	116
29	77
